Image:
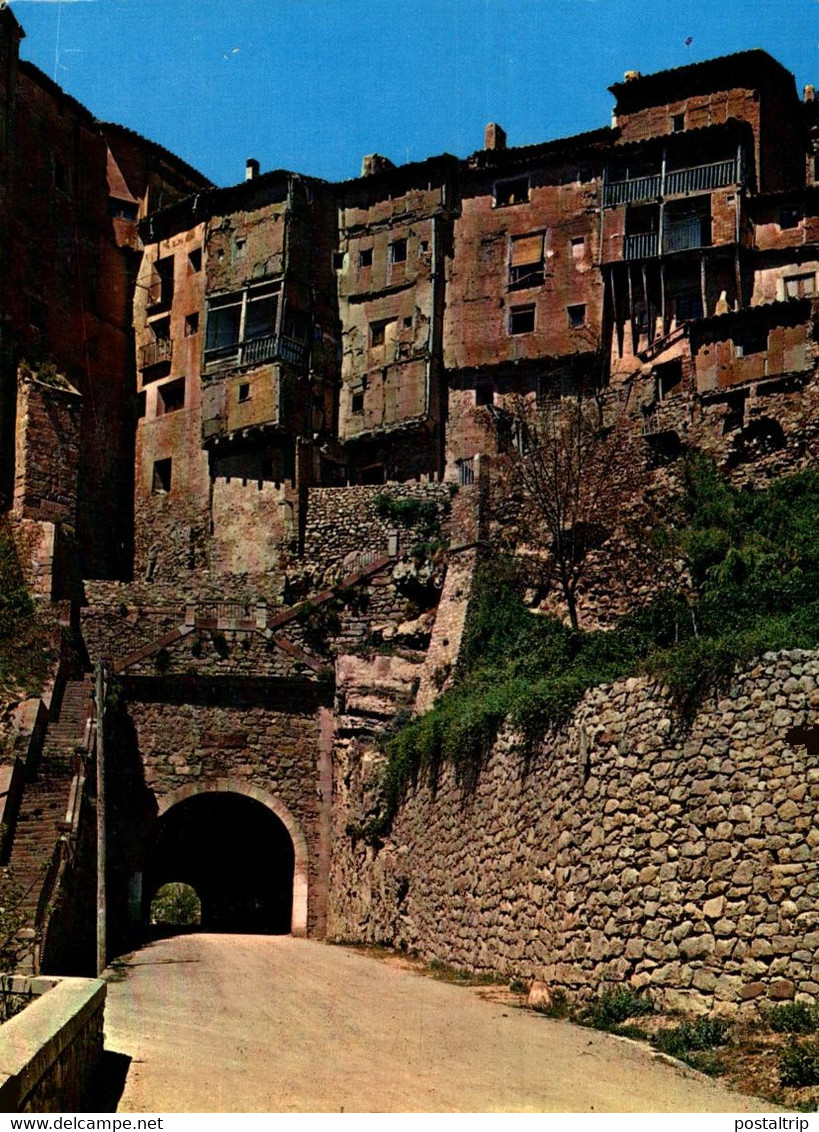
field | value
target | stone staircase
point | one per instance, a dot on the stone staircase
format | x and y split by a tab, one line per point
46	796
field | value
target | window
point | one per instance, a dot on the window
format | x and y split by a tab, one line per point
424	245
526	261
789	217
687	306
798	286
240	247
484	393
408	321
170	397
191	324
160	291
382	333
677	123
358	402
239	317
195	260
751	340
668	378
577	315
140	405
578	246
398	251
511	192
365	258
61	177
338	261
123	209
162	477
522	319
244	392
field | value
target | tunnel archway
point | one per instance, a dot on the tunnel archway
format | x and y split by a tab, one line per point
240	849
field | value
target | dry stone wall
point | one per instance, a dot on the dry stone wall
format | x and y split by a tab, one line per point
624	849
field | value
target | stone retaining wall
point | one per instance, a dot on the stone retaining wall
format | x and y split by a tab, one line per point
624	849
50	1049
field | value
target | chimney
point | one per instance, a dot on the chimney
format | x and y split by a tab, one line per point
251	169
630	76
809	93
494	137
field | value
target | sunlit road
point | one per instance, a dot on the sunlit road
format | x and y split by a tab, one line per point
219	1023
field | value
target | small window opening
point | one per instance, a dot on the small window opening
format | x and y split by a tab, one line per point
170	397
668	377
338	261
511	192
677	123
240	247
365	258
140	405
578	246
195	260
788	217
526	261
408	321
162	476
398	251
752	340
122	209
798	286
191	324
522	319
61	180
358	402
484	394
577	315
244	391
381	333
424	245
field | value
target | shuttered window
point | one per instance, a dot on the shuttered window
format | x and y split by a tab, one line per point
526	261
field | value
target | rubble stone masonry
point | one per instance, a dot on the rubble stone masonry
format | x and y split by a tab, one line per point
625	849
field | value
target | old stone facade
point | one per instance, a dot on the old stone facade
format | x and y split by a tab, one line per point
269	419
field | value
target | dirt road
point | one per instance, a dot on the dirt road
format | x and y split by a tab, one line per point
218	1023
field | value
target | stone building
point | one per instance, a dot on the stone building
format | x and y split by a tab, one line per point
270	412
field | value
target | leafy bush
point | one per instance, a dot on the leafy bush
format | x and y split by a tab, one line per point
702	1034
176	903
794	1018
799	1064
409	512
751	575
610	1009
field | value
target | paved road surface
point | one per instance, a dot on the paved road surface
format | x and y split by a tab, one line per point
220	1023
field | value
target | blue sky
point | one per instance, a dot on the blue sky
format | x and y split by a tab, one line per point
313	85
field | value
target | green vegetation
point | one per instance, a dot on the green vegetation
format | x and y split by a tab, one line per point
794	1018
24	654
799	1064
740	575
176	903
692	1037
409	512
609	1010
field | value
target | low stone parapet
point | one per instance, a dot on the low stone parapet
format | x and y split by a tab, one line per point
50	1049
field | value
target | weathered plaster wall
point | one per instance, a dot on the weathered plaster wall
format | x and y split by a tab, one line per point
622	850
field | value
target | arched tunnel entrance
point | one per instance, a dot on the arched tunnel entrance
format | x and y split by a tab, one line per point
238	855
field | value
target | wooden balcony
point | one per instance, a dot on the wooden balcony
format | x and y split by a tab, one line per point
675	182
155	353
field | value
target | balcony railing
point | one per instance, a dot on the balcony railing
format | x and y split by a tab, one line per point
642	245
696	179
634	189
274	347
683	235
702	178
154	353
